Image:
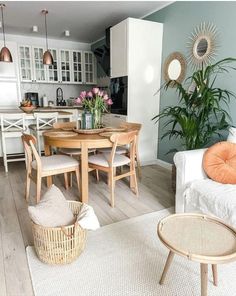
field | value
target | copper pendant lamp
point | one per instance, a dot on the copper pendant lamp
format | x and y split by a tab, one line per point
47	57
5	54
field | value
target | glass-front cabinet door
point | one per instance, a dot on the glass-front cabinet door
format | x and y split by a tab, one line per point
39	67
89	67
77	66
65	65
53	69
25	56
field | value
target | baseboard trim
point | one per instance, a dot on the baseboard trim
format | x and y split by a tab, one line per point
159	162
164	164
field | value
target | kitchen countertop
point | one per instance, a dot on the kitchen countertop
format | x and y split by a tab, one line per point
18	110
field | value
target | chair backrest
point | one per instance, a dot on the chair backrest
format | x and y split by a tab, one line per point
29	142
12	122
127	138
71	124
131	126
45	119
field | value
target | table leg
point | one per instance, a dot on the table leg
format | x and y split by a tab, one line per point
47	151
84	172
215	274
166	268
204	279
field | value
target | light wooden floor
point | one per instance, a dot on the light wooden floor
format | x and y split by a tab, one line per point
15	231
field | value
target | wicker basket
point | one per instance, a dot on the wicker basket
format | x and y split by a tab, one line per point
60	245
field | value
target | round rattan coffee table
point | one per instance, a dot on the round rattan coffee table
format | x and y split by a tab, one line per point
199	238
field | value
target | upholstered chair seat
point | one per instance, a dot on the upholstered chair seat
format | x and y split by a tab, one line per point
55	162
103	160
119	150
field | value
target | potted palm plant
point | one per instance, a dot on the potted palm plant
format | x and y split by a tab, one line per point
201	114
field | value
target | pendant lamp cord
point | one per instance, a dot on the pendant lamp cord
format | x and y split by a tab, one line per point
3	28
46	31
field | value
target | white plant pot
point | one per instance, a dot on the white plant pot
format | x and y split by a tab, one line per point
232	135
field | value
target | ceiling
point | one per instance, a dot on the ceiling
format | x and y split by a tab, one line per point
86	20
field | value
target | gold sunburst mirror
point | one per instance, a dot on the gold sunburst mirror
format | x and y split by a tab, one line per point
202	45
174	68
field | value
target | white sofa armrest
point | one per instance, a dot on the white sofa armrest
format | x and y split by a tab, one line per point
188	168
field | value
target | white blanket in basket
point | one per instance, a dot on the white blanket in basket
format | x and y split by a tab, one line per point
87	218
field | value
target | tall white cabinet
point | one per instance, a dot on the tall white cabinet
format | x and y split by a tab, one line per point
136	50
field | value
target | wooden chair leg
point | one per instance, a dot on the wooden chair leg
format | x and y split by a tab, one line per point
66	180
71	179
97	175
215	274
4	152
166	268
38	189
27	187
78	182
112	186
204	279
138	166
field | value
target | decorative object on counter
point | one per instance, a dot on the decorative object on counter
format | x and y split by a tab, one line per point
202	45
232	134
95	102
50	103
174	68
59	95
5	54
45	101
47	57
27	106
33	97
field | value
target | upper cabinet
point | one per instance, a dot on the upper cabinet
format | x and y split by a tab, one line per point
65	65
77	66
69	66
53	70
119	50
89	67
25	60
39	68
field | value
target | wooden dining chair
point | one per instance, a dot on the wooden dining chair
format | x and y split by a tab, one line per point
38	167
129	126
108	162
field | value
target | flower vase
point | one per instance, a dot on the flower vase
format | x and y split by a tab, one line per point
97	118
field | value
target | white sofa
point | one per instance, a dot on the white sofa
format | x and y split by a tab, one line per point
195	192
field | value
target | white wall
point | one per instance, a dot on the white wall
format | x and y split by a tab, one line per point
44	88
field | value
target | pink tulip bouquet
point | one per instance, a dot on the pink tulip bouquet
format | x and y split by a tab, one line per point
96	102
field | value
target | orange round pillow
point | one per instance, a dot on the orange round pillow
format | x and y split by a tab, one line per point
219	162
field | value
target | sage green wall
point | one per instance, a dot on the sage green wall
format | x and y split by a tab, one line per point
180	19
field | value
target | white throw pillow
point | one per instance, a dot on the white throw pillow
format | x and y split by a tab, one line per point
52	210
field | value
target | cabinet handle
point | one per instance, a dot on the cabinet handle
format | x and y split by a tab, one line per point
117	116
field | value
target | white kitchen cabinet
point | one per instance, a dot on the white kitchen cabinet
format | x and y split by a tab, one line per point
89	68
119	50
25	63
77	66
52	70
40	74
136	49
65	65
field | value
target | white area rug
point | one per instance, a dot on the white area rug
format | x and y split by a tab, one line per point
126	258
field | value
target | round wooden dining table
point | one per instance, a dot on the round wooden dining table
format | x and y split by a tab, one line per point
61	139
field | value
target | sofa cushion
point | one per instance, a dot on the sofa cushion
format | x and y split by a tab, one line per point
219	162
212	198
52	210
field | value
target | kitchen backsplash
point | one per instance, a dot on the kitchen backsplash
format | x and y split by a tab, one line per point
50	90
